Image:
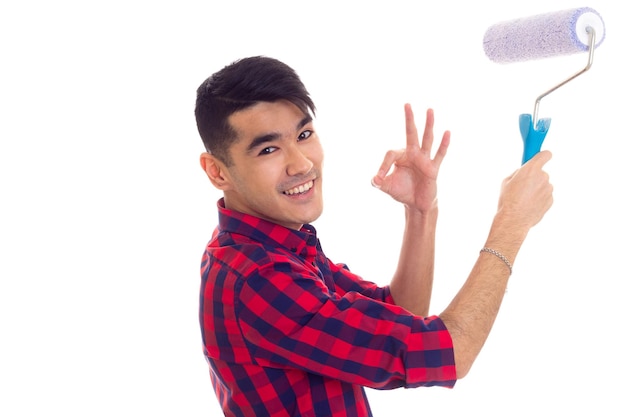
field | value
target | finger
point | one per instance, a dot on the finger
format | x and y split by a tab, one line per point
443	148
427	137
390	158
412	138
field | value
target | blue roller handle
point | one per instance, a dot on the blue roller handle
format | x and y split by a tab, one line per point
532	137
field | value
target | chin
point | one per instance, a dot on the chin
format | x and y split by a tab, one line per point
314	216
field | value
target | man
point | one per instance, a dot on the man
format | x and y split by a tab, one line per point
286	331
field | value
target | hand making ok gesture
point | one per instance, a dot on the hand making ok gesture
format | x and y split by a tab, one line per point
413	179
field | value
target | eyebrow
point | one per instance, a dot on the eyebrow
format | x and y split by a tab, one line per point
273	136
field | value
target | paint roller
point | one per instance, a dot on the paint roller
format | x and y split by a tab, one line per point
545	35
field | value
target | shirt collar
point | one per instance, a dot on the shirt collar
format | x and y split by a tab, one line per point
303	241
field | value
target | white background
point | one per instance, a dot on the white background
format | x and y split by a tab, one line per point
104	210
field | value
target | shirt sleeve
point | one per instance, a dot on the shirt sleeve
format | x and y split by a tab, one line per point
291	319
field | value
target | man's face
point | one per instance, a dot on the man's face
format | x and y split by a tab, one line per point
276	172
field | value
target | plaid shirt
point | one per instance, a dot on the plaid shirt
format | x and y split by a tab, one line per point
288	333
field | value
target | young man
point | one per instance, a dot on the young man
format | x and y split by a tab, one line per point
286	331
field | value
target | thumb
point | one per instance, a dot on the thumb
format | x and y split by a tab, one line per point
540	159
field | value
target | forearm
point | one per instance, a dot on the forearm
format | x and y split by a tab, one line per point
412	283
471	314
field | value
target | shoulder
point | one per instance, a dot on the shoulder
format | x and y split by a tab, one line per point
247	256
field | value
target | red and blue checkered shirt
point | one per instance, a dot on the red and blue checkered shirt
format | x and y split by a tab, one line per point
286	332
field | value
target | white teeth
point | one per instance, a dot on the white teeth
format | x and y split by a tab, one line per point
300	189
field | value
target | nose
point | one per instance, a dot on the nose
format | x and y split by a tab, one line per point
298	162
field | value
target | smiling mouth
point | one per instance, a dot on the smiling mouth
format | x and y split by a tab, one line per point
299	189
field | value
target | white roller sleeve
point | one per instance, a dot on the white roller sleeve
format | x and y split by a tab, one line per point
542	36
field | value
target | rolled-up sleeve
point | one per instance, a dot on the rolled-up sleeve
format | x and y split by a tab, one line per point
290	319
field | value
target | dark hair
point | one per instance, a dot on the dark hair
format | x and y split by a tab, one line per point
238	86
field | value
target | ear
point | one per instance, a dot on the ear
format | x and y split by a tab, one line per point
216	171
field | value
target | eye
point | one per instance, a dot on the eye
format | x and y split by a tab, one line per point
305	135
268	150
